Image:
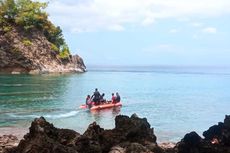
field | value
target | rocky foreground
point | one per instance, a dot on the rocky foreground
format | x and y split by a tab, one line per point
130	135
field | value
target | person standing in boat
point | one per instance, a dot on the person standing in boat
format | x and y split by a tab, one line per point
88	101
102	99
96	97
113	99
118	98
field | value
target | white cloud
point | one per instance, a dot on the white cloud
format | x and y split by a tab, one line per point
147	21
195	36
116	28
211	30
94	15
165	46
173	31
197	24
161	48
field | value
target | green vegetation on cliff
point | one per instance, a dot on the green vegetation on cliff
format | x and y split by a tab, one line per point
32	15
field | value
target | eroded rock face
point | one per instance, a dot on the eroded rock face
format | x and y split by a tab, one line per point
31	52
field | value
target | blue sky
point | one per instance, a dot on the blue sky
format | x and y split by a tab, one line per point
145	32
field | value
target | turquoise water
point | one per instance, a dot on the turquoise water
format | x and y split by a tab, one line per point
174	100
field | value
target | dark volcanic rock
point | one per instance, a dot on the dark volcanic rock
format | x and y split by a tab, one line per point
192	139
45	138
127	129
190	143
214	131
89	141
132	135
219	133
135	129
217	140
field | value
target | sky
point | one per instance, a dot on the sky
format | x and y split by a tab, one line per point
145	32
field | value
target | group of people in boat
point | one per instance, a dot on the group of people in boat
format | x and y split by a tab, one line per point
98	99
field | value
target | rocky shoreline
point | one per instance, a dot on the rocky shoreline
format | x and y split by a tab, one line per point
130	135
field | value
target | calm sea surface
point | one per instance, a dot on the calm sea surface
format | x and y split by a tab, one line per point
174	100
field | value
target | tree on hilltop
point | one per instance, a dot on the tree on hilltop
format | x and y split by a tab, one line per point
32	15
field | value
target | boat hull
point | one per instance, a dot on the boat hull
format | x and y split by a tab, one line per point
103	106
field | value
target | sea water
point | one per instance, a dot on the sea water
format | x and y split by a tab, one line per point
175	100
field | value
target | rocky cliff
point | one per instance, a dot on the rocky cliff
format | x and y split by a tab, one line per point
30	52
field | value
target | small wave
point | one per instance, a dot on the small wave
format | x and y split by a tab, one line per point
23	116
17	84
11	85
65	115
24	93
49	116
27	99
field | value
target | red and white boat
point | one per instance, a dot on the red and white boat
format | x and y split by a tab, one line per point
102	106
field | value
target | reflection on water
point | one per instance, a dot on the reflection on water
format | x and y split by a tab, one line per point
104	112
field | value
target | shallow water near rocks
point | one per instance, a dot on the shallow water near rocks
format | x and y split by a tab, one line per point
175	100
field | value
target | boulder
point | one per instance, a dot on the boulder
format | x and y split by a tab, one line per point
219	134
135	129
44	137
190	143
89	141
216	140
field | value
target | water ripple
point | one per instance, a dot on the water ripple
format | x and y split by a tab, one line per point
24	93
